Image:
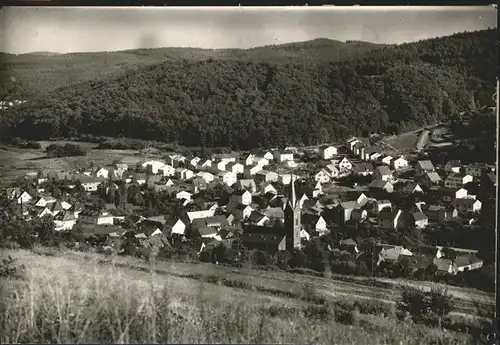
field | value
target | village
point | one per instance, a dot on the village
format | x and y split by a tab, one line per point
269	200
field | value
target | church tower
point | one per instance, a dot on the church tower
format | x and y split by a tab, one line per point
293	224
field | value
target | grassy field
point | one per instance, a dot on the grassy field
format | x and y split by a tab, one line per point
18	161
67	297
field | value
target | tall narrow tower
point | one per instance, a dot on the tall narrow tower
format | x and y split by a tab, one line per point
293	223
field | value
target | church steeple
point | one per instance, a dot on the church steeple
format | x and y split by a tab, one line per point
293	223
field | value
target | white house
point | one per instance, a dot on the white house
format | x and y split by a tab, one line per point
351	142
328	152
101	172
268	155
290	164
179	228
183	195
248	159
64	221
236	168
44	200
388	219
387	160
206	164
200	214
268	188
242	211
333	171
457	180
261	161
90	186
268	176
166	170
194	161
382	173
153	166
184	174
228	178
399	163
467	205
242	197
93	215
208	177
345	164
375	156
221	166
283	156
322	176
24	198
254	170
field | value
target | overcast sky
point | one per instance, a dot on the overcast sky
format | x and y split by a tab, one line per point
63	30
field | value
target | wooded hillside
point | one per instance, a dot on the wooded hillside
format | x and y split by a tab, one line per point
246	103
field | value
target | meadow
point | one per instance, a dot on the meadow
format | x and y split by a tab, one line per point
69	297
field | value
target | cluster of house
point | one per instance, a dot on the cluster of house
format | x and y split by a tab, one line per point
256	213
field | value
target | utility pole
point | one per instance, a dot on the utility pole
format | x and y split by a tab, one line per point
497	194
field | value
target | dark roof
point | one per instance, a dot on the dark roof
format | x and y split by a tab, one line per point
363	167
90	211
207	230
241	207
419	216
388	214
425	165
468	259
348	242
378	184
256	217
384	170
64	216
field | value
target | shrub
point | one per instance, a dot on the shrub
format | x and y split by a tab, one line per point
9	269
427	307
56	150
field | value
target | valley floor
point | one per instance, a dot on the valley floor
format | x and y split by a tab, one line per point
67	297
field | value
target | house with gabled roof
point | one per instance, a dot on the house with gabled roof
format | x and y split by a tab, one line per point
322	176
467	205
206	176
184	174
421	220
345	165
423	167
227	178
378	186
95	215
429	179
453	166
363	169
434	213
368	152
200	214
283	156
166	170
261	161
241	211
267	176
476	170
399	163
236	168
258	218
389	219
457	180
351	142
247	159
247	184
23	198
328	151
241	196
387	160
382	173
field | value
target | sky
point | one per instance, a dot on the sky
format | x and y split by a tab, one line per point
79	29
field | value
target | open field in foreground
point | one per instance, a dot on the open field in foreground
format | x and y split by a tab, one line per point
80	297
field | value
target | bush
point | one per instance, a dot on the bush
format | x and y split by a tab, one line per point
8	269
427	307
67	150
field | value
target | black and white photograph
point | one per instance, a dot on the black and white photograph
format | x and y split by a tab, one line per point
285	175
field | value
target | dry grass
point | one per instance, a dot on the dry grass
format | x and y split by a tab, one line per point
68	301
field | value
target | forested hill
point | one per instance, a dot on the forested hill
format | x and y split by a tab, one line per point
28	75
225	102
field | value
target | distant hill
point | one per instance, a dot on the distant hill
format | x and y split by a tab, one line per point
243	103
36	73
